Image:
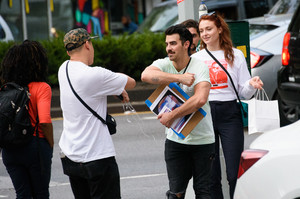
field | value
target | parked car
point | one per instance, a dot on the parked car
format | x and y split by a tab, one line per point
269	169
266	36
289	74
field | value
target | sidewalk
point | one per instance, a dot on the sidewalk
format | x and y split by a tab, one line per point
137	96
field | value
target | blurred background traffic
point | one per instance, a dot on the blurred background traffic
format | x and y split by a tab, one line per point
41	19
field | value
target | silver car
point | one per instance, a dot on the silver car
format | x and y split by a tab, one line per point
266	39
266	36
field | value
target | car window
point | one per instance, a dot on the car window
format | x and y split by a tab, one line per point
2	33
161	18
256	30
256	8
284	7
295	25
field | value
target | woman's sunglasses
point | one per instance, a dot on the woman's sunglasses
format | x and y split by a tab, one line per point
209	14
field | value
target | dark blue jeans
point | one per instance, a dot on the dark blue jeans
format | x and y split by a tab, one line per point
30	168
228	127
102	180
187	161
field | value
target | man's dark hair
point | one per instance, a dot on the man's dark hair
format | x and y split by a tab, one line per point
184	34
25	63
191	23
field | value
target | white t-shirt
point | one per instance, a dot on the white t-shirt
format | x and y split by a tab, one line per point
222	89
203	133
85	138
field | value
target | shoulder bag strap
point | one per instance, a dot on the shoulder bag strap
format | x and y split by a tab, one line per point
186	68
229	78
37	111
79	98
187	65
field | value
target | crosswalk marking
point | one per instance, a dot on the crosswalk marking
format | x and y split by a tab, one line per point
56	184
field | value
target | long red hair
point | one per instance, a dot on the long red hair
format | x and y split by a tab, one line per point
224	36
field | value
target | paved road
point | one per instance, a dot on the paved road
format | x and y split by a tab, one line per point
139	144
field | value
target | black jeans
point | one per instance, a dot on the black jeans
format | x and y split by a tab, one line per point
30	168
228	127
187	161
101	180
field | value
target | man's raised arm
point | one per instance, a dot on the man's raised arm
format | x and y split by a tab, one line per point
154	75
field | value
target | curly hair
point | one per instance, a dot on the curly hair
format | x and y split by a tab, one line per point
224	37
25	63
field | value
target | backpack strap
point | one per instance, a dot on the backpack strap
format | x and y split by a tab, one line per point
36	125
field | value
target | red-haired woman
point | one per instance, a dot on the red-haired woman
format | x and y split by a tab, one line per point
226	112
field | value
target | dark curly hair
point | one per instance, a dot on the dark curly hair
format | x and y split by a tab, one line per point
25	63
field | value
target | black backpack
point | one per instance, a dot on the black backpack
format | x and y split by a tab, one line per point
15	125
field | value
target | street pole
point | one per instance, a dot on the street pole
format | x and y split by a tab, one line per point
24	25
188	9
49	18
241	10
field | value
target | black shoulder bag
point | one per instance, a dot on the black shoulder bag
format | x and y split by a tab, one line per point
110	121
244	112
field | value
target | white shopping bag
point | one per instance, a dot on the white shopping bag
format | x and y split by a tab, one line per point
263	114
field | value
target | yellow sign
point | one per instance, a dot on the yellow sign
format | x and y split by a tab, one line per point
243	49
51	6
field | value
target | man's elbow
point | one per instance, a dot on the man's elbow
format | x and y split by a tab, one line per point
130	83
145	77
201	102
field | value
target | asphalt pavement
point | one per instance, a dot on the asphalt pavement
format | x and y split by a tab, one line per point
60	187
139	146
